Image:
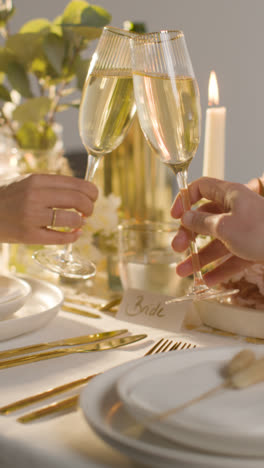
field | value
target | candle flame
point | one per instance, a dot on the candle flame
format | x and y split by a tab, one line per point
213	92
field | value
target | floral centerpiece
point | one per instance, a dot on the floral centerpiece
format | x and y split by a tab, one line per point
42	71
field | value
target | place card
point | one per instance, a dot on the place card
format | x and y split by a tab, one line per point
150	309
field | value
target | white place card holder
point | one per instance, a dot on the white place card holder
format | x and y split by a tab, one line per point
150	309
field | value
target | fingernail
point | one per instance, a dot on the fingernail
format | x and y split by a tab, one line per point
184	269
187	218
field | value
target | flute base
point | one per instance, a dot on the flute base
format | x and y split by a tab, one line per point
204	293
66	265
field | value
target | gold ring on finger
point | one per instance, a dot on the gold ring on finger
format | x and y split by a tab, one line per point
54	215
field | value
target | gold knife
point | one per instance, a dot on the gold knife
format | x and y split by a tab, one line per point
85	339
19	404
105	345
62	405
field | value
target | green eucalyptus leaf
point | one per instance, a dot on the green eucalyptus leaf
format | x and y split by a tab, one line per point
54	49
36	26
48	138
4	94
73	12
32	110
79	12
36	136
81	69
56	26
18	78
26	47
28	136
6	57
95	16
86	32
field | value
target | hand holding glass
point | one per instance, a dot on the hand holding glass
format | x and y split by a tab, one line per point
168	107
106	110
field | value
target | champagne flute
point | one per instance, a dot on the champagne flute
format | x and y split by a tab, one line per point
168	107
106	111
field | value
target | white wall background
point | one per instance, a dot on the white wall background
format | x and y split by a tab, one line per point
225	35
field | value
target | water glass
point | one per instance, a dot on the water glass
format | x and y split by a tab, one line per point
146	259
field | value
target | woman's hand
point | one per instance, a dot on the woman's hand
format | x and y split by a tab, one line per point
233	216
27	208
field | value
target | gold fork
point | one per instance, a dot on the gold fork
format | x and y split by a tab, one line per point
71	403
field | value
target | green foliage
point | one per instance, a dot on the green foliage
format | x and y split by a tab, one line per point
4	94
36	136
43	62
32	110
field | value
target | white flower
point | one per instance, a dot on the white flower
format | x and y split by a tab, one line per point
102	223
105	215
9	107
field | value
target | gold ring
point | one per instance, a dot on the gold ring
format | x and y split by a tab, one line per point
54	214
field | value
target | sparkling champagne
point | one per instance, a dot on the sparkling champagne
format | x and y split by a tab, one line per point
106	110
169	114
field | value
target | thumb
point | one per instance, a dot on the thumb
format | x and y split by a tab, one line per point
201	223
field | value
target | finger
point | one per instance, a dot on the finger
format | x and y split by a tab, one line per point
64	199
205	187
208	254
53	181
182	239
210	207
64	218
202	223
256	185
177	207
226	270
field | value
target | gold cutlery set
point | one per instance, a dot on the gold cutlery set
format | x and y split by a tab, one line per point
105	307
70	403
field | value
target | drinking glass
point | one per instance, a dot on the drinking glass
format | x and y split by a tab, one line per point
168	107
106	111
145	258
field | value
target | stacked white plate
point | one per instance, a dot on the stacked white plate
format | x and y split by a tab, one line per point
225	430
13	295
26	304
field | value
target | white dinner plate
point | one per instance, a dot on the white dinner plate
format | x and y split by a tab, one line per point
108	417
232	318
13	294
40	307
230	422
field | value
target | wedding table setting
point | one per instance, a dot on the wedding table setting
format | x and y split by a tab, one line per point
108	358
125	386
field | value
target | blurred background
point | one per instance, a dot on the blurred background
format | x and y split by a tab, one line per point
224	35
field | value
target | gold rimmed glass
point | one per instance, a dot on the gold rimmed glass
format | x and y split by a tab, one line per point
106	111
168	107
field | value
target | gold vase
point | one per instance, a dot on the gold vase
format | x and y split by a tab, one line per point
134	173
145	186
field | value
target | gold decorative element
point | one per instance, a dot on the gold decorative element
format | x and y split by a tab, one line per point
111	344
85	339
63	405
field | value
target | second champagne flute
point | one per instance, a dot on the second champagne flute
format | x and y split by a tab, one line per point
106	111
168	107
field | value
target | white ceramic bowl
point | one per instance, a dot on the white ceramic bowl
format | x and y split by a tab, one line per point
232	318
13	294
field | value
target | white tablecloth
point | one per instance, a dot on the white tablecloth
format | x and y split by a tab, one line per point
67	441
